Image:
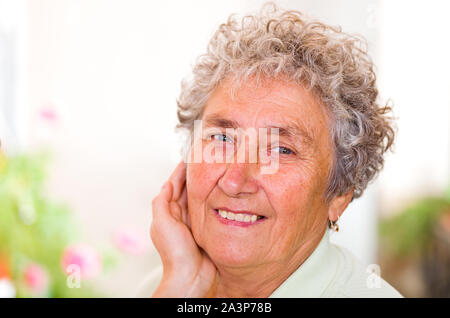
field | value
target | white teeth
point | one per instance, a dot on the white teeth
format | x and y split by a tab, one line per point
237	216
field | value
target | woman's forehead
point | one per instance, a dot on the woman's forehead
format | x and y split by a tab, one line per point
273	97
289	107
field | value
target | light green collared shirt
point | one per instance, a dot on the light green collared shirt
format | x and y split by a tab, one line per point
330	271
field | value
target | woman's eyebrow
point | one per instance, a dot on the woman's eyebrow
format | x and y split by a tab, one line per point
217	121
293	132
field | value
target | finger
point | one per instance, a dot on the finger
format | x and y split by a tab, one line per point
176	211
160	204
188	221
184	208
167	191
178	179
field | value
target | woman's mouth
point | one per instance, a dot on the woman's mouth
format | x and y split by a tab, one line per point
238	218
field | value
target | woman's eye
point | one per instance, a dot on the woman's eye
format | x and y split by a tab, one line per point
284	150
221	137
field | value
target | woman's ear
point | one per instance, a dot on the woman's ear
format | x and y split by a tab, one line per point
339	204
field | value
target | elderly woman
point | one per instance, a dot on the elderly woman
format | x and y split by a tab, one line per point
226	228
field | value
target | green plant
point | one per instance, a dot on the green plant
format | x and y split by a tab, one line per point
408	233
34	230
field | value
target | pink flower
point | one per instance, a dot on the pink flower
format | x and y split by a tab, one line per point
48	114
83	257
130	241
36	278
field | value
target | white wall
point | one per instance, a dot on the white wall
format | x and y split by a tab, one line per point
13	74
414	72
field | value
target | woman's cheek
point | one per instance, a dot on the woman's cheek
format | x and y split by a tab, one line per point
282	183
200	182
286	191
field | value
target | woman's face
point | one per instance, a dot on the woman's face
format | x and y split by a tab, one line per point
290	200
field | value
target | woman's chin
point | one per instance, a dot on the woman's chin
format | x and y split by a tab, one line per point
233	255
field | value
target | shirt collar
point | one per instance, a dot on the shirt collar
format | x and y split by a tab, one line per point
313	276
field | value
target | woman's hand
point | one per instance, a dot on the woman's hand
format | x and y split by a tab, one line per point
188	271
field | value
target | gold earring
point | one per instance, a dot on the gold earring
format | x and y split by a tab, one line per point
333	225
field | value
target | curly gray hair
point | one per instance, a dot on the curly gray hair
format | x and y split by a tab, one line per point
334	64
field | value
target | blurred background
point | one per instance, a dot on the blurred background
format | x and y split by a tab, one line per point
87	117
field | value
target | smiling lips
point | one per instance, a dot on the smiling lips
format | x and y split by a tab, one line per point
238	218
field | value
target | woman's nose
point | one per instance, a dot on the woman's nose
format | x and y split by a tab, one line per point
237	180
